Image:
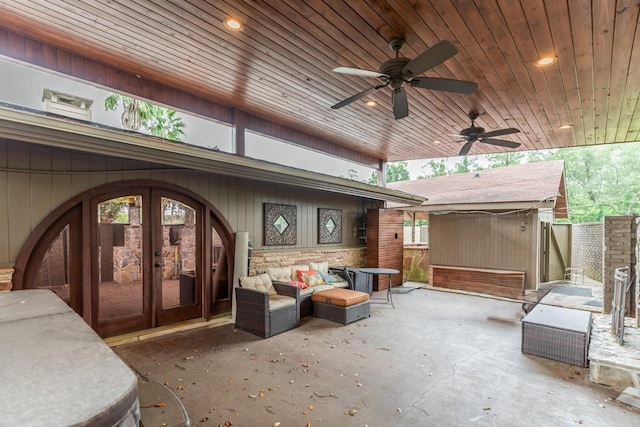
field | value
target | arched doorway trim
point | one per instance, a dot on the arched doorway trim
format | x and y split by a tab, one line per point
77	213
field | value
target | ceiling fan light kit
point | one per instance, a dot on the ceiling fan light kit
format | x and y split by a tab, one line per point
397	71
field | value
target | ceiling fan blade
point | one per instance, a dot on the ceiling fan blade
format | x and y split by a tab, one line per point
357	96
358	72
500	142
400	103
447	85
428	59
500	132
465	149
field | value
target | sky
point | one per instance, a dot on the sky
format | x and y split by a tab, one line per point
198	131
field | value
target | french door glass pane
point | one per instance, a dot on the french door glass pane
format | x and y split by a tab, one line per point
120	262
54	271
178	254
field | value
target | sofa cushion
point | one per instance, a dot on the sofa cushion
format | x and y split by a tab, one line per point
279	301
319	266
280	274
320	288
261	283
340	284
340	297
307	291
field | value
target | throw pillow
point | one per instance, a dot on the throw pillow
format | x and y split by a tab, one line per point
312	280
328	278
300	284
300	273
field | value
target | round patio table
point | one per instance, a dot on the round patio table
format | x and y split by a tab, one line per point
381	272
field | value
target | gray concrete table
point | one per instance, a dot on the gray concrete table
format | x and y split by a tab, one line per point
381	272
56	371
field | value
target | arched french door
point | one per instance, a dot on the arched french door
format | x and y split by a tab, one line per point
132	256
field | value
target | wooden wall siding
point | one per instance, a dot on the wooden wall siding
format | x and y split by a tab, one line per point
155	87
502	283
486	241
385	244
30	196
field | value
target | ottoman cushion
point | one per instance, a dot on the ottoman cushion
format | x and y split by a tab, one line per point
340	297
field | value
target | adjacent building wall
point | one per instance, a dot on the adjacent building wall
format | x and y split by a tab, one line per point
483	240
35	179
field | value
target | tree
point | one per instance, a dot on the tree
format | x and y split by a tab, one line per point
434	168
601	180
499	160
136	115
397	171
466	165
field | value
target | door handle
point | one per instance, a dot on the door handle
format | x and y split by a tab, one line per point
158	264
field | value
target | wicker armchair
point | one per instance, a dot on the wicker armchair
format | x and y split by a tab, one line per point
265	308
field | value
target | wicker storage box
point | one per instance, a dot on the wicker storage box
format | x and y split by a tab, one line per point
557	333
340	314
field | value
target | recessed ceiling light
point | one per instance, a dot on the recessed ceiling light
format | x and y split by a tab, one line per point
371	103
233	24
547	60
566	127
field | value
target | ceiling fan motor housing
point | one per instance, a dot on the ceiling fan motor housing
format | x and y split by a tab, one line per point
392	69
472	133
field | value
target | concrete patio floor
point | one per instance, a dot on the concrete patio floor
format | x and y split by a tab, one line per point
438	359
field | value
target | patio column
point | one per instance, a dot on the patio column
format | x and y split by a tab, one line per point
240	266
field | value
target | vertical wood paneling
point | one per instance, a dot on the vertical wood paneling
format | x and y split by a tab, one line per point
31	196
41	190
18	197
4	207
384	249
485	241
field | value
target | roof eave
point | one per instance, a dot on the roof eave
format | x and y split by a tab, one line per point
60	132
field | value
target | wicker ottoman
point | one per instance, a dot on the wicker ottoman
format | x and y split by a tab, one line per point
341	305
557	333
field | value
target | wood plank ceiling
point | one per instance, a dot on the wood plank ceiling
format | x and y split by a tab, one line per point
279	66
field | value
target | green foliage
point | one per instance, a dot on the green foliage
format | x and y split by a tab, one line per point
136	115
466	165
434	168
505	159
397	171
602	180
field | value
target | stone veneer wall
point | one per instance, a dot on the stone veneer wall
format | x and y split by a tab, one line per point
619	251
260	260
586	249
127	265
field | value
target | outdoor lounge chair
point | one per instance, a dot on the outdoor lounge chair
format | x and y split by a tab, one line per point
265	308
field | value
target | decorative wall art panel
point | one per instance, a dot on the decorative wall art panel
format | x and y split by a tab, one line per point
329	225
280	224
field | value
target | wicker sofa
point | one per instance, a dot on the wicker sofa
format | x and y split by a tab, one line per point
265	308
289	276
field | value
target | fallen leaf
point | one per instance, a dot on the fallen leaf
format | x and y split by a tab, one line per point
276	424
310	407
261	394
228	423
353	411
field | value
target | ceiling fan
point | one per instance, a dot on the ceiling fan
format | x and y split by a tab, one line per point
473	134
396	71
